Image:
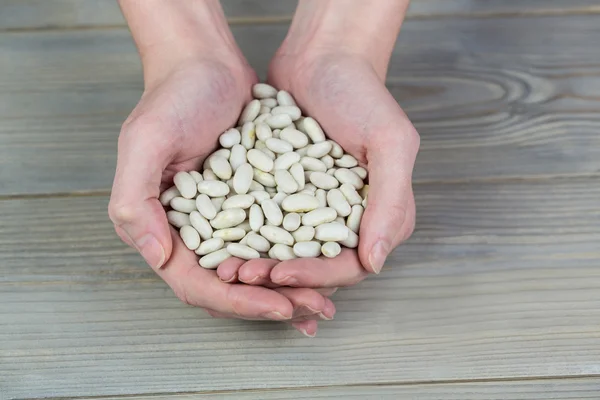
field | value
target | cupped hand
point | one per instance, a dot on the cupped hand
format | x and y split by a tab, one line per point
173	128
346	94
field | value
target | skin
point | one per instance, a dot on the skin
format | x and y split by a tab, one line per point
334	62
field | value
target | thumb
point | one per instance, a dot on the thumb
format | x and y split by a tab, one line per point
390	214
134	208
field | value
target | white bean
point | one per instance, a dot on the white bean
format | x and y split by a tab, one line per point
294	137
323	181
319	150
220	167
178	219
225	153
218	202
340	220
271	190
262	118
286	160
321	196
350	194
230	234
264	178
336	150
304	234
260	196
269	102
299	203
312	164
293	111
201	225
331	232
310	187
260	160
242	251
346	161
263	90
337	201
258	242
297	172
190	237
256	217
212	260
230	138
210	246
269	153
303	151
213	188
275	234
331	171
331	249
360	171
327	160
351	241
183	205
278	198
264	110
286	181
272	212
255	186
291	222
248	135
208	175
278	121
313	130
238	201
279	146
263	131
276	133
285	99
237	156
250	112
282	252
186	184
228	218
196	175
307	249
169	194
344	175
243	178
319	216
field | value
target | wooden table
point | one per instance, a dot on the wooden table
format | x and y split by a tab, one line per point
497	294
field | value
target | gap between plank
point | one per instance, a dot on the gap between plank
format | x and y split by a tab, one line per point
341	386
284	19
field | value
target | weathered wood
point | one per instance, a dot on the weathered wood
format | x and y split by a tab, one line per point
499	281
559	389
491	98
35	14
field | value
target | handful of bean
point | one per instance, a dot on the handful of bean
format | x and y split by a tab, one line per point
277	188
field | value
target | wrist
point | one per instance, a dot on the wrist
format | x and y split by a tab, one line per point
353	27
171	34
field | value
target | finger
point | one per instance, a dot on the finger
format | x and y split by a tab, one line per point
200	287
307	328
389	216
343	270
228	270
257	271
134	208
327	292
308	302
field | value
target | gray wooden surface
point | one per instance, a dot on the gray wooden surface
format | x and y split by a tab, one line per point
494	297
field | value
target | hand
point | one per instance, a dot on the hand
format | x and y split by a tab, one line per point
187	103
344	89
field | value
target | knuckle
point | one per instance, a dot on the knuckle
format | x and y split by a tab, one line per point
182	294
120	213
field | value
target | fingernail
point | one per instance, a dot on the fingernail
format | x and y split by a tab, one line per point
307	334
377	257
151	250
229	280
287	281
276	316
322	316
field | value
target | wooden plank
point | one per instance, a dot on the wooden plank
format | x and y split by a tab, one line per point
559	389
499	281
36	14
491	98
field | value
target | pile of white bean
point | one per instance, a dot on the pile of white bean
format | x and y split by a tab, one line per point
277	189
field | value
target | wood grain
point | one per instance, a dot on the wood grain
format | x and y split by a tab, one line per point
492	98
60	14
559	389
500	281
